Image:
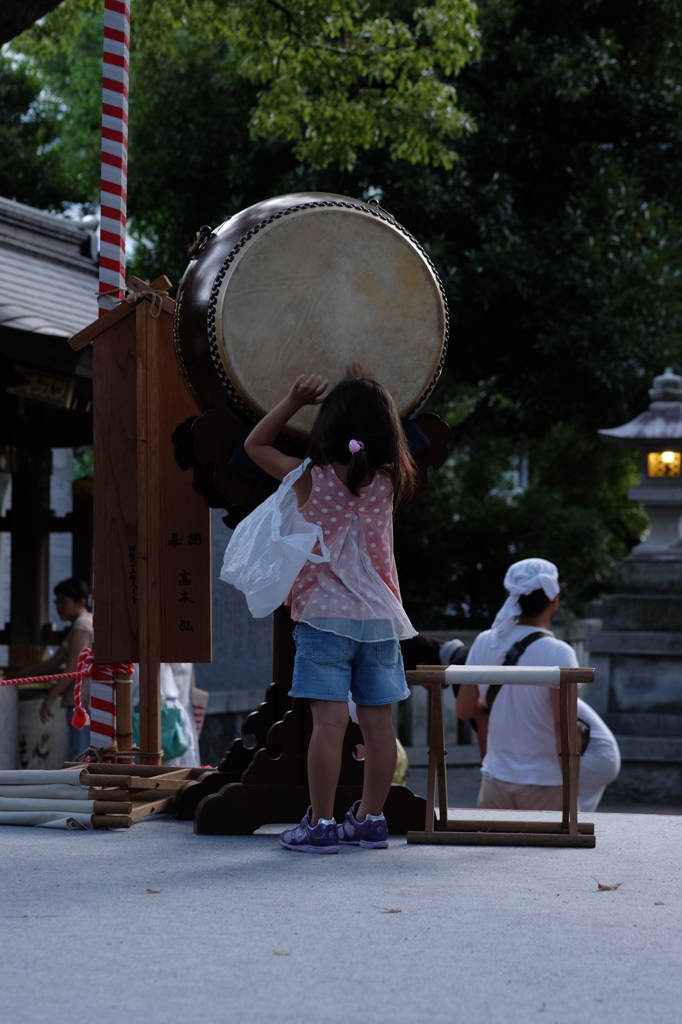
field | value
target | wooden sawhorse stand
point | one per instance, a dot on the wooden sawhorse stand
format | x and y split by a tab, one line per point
490	832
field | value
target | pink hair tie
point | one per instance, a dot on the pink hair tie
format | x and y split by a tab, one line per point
355	446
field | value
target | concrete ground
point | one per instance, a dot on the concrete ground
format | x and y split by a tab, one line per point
157	925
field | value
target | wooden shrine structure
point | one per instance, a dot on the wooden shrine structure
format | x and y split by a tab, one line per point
46	391
152	541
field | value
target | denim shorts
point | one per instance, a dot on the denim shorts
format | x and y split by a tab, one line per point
329	666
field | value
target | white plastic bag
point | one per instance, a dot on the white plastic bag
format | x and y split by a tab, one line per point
269	548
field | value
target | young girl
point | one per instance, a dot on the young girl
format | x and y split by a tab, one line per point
348	610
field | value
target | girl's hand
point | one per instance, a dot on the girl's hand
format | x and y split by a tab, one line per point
260	444
356	369
308	391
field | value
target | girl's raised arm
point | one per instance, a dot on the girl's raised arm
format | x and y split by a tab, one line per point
259	444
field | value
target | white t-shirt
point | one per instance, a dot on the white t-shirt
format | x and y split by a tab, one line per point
522	747
600	763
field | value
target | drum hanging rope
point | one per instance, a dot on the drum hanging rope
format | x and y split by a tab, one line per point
134	293
203	235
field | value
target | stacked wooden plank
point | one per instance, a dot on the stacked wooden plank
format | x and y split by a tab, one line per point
89	796
125	793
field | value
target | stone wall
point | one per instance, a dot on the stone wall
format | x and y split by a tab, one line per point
241	670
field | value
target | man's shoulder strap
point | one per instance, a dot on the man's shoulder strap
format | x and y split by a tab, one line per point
517	649
511	658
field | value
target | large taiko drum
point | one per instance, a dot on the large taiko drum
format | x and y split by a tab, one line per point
307	283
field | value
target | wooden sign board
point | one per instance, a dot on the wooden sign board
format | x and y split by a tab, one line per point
184	527
152	539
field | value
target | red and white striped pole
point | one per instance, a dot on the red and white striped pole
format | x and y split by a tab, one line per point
103	707
114	161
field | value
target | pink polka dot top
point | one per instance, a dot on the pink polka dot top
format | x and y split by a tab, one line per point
356	592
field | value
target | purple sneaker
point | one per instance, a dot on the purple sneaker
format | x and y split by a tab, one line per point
307	838
371	833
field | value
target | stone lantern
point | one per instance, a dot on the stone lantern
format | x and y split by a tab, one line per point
637	653
657	434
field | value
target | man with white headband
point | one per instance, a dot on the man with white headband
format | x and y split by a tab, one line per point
524	578
521	768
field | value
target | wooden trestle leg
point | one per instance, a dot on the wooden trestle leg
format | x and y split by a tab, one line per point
570	754
488	831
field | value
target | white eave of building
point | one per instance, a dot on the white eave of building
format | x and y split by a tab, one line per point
48	272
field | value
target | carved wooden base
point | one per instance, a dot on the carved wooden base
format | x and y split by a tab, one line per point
273	787
239	809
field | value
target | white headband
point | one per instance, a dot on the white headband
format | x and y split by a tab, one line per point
523	578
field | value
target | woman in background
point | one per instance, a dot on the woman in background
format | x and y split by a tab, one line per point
74	605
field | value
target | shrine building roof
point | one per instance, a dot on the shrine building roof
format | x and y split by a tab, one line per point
48	272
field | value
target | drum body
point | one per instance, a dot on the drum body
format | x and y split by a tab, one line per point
307	283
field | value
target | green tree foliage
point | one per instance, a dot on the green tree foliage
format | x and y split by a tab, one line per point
333	77
570	240
231	103
554	225
558	236
32	166
343	76
480	513
18	15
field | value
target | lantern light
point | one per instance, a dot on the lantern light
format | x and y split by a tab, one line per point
663	464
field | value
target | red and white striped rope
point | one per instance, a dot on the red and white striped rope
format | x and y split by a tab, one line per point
37	679
114	159
80	717
103	702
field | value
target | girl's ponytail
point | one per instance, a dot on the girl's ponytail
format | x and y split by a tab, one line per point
358	466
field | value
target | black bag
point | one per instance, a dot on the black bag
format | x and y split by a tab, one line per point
511	658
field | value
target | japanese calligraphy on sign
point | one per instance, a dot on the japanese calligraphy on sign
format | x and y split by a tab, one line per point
152	530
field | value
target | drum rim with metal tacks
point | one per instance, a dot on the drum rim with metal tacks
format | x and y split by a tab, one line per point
385	282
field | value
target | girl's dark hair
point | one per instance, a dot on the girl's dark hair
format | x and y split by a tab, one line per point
76	589
362	410
534	603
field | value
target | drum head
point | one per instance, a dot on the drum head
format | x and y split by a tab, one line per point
316	287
